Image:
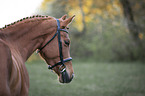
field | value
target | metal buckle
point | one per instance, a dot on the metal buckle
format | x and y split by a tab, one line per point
62	68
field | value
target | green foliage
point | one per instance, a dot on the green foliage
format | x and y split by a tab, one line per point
97	79
103	42
106	36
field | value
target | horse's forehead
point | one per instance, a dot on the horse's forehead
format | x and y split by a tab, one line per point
64	35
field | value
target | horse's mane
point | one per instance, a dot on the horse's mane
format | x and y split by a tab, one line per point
35	17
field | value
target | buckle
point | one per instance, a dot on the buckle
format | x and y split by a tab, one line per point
62	68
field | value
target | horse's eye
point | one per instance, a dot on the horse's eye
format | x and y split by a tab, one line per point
67	28
63	27
67	42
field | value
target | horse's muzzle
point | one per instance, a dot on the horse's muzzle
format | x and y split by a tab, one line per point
65	78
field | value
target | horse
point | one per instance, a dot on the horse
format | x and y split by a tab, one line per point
44	34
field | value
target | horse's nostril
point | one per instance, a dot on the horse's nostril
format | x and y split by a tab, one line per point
66	78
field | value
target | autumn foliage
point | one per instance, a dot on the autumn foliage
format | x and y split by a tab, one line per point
102	31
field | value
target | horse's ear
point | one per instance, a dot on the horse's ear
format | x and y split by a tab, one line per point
68	20
64	17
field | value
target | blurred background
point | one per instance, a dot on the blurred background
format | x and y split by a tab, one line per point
106	30
107	46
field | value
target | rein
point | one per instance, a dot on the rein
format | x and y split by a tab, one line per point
62	61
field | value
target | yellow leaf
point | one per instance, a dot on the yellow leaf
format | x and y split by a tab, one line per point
85	9
78	20
140	35
44	4
89	3
98	11
88	19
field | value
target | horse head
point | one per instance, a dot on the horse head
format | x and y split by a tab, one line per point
55	51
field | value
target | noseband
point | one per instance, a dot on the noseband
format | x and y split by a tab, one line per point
62	61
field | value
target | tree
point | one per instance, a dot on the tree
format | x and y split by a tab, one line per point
98	30
133	29
128	14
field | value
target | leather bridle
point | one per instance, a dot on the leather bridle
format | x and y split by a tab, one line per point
62	61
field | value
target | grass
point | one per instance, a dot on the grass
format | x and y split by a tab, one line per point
91	79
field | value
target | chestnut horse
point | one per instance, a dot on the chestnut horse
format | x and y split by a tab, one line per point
20	39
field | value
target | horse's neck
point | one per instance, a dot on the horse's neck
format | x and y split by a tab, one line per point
26	37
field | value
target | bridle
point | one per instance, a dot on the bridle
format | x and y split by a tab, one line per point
62	61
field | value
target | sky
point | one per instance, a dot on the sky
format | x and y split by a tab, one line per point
13	10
